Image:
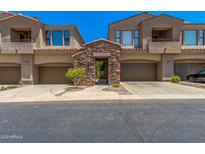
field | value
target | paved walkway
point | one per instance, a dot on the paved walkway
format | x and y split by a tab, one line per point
138	90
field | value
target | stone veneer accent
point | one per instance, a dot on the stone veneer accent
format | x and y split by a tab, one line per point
99	49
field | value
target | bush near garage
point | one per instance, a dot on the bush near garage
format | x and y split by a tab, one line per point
175	79
77	75
8	87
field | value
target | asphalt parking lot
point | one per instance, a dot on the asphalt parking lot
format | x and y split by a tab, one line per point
104	121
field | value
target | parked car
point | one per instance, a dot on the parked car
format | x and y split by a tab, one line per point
198	77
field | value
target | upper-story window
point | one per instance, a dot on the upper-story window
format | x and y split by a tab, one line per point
57	37
117	37
201	37
190	37
136	39
193	37
66	37
48	38
127	38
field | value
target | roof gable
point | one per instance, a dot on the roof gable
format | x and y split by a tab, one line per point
148	15
4	15
168	17
11	16
101	40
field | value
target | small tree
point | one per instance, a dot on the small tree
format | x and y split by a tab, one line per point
76	75
99	68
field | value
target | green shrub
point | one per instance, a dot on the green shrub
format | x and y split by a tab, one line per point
8	87
176	79
115	85
76	75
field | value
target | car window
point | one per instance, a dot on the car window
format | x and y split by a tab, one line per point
202	72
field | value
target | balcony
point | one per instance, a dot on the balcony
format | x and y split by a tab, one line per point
164	47
161	39
17	47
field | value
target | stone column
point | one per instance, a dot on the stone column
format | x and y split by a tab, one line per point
167	67
27	69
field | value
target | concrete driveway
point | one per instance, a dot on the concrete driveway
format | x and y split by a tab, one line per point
32	93
160	90
138	90
55	92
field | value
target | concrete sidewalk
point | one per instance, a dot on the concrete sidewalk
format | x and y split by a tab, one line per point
160	90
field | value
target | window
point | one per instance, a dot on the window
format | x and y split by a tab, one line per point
66	37
48	38
201	37
127	38
136	39
57	38
117	36
190	37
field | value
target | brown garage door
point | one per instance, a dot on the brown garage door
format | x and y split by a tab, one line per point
138	72
53	75
10	74
184	69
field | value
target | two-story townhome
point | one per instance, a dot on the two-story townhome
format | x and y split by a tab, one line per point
156	47
139	48
32	52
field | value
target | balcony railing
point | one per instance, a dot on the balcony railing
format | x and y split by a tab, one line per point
161	39
17	47
21	40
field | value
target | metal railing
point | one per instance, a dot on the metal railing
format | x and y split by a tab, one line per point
22	40
162	39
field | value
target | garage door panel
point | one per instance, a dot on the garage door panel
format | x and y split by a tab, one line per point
10	75
184	69
138	72
53	75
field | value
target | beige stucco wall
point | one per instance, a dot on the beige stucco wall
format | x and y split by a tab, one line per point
167	66
43	59
138	55
27	69
155	58
189	57
10	58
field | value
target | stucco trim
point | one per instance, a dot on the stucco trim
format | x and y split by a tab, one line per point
53	51
78	53
151	15
18	15
102	40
